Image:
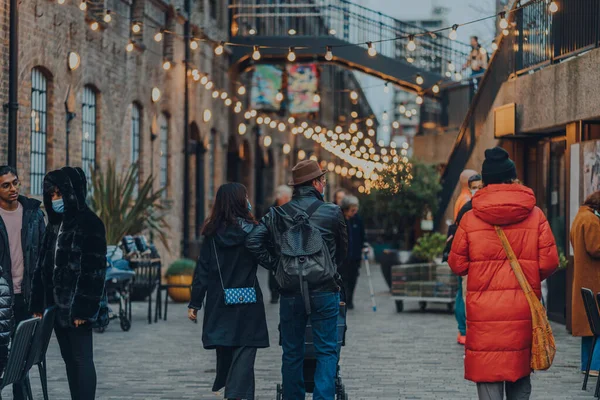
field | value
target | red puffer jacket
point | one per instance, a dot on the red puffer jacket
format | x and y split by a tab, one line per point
498	344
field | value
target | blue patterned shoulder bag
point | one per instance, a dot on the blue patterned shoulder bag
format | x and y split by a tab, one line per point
234	296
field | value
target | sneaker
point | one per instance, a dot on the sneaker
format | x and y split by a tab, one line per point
461	339
592	372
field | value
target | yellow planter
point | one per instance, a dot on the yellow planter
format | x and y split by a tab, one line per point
180	295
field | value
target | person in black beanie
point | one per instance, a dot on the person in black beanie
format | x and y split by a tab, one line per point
498	167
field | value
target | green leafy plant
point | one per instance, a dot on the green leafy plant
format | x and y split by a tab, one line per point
401	196
563	260
430	246
126	205
183	266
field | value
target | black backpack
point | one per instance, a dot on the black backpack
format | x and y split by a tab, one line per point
305	261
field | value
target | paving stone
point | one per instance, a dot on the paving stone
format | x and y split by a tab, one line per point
388	355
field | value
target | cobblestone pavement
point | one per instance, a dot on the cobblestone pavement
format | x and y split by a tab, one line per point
412	355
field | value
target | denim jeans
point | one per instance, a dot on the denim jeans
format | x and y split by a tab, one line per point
77	349
586	345
323	318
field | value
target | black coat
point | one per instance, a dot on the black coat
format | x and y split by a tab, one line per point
328	219
74	280
6	320
452	229
356	238
234	325
32	232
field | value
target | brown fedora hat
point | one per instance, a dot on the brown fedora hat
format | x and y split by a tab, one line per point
305	171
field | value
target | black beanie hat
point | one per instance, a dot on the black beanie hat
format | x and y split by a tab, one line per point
497	167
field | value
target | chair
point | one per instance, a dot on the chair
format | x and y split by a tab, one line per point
159	293
17	356
37	354
593	315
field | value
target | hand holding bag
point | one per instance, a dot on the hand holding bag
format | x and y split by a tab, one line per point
543	347
234	296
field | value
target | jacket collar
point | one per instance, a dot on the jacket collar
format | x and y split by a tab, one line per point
29	203
306	191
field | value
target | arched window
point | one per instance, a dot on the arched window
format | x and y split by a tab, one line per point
39	109
163	173
135	133
88	139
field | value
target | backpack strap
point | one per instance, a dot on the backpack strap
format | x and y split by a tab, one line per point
292	212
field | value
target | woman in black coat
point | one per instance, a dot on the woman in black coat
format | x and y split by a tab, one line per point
70	274
235	331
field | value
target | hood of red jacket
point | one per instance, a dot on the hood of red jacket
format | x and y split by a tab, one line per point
504	204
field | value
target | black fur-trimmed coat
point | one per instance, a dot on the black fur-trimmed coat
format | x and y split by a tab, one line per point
71	268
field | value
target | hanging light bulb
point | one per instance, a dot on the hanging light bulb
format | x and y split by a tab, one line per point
451	66
83	5
155	94
402	109
292	32
167	65
317	98
241	90
252	31
108	17
129	47
204	80
458	76
281	127
506	32
386	88
291	120
436	88
94	26
371	49
287	148
220	48
279	96
61	2
136	27
411	46
354	114
553	7
194	45
419	79
354	95
453	35
159	36
301	155
228	102
291	55
369	122
215	94
223	95
255	53
503	24
494	46
385	116
419	100
242	128
329	54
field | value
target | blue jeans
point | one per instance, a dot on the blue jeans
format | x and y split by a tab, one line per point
323	318
586	344
459	309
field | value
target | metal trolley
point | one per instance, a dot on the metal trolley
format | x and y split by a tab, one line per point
423	283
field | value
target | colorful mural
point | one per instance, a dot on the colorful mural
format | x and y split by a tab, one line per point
303	84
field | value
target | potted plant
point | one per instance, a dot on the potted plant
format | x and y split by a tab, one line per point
430	247
181	272
399	198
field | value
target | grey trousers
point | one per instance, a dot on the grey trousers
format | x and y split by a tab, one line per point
519	390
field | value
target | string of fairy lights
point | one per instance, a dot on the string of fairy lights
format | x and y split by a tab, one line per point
352	145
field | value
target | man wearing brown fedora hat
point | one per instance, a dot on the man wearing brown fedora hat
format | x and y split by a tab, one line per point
324	229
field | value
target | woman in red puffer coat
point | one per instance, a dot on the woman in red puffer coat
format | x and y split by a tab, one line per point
498	347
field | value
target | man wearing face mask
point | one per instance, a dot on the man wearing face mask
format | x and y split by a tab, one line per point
474	183
21	230
318	301
70	274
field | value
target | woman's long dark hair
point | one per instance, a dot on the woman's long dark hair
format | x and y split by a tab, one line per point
230	204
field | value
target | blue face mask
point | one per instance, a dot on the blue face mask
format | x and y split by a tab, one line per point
249	205
58	206
323	194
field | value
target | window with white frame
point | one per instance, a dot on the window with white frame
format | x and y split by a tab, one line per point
163	173
88	139
39	110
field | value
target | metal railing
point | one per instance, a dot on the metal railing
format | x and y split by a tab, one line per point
544	38
349	22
